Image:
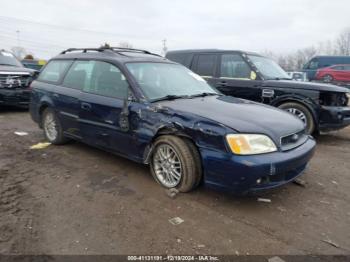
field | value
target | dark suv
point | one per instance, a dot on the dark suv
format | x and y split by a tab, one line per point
154	111
252	76
14	81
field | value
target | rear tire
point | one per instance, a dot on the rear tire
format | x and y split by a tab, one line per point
52	127
175	163
302	113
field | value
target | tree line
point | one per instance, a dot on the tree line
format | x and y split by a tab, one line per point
295	61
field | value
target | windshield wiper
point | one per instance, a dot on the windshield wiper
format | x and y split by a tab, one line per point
205	94
169	97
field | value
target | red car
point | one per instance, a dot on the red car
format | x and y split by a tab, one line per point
336	73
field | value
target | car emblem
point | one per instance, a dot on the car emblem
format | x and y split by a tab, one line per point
10	81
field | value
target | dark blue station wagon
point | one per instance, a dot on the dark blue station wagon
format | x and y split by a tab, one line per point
154	111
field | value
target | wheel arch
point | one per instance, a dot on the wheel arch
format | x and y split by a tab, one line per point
175	130
304	101
46	103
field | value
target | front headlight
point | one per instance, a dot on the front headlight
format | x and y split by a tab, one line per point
250	144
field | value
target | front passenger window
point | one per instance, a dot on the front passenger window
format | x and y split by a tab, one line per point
107	80
233	66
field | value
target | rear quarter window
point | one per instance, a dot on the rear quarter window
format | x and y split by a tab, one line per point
181	58
178	58
206	65
54	71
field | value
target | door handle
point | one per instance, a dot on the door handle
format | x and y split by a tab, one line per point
86	106
223	83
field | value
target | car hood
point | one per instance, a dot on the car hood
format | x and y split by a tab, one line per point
15	69
241	115
304	85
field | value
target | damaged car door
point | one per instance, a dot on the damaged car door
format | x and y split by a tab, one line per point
102	117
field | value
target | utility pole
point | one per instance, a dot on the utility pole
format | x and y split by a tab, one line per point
18	42
165	48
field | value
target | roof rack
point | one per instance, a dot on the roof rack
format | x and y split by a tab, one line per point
126	49
114	49
81	49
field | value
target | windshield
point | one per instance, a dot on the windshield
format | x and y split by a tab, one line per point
158	80
268	68
9	59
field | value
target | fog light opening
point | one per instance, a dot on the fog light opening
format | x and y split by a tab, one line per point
340	116
258	181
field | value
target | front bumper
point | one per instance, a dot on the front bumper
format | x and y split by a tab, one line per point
333	118
241	174
14	97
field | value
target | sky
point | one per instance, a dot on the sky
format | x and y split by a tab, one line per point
45	28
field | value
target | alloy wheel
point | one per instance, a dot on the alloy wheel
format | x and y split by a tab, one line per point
50	126
167	166
298	113
327	78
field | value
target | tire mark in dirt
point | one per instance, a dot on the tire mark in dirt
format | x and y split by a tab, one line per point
18	232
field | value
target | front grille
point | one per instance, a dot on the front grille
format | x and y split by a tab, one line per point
287	175
293	140
10	81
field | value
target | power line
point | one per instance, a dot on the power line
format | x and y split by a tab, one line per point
61	26
30	41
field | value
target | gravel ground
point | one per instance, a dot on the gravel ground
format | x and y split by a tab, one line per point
74	199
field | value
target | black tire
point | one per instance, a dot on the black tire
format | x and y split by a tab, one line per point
198	161
59	138
190	161
327	78
310	123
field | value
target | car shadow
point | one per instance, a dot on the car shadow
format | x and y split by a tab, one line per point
12	109
334	138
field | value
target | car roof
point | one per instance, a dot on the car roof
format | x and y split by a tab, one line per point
111	53
339	65
212	51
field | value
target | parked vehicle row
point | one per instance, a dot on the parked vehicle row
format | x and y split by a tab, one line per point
157	112
33	63
196	116
335	73
318	62
251	76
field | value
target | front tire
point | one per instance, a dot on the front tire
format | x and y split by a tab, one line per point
52	127
302	113
176	163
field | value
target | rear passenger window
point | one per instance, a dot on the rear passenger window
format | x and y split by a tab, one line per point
107	80
78	76
98	78
206	65
54	70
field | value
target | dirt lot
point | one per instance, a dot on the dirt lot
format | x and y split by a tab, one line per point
74	199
